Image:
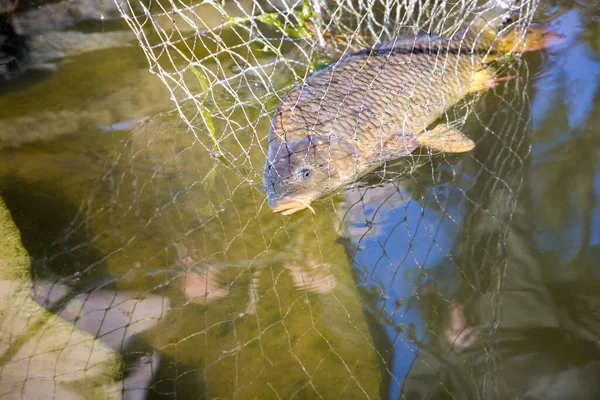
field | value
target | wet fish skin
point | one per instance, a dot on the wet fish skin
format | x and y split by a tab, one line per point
370	107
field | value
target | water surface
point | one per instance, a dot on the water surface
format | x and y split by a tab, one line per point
473	276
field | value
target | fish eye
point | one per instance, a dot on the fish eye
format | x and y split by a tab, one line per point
304	172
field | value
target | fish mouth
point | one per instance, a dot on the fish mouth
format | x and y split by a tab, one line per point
291	206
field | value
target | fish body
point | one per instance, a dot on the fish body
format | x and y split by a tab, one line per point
374	106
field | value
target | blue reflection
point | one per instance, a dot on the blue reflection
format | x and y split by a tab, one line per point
403	242
572	79
564	178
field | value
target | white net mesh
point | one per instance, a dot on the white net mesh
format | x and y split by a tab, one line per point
227	64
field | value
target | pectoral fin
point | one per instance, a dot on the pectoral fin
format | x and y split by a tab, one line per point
447	139
398	144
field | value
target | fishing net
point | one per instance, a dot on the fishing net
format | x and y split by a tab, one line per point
394	287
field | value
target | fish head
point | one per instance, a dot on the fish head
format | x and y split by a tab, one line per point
300	171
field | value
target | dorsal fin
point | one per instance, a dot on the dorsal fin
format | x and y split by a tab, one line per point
423	39
461	42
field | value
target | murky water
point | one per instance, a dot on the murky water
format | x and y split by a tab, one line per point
473	276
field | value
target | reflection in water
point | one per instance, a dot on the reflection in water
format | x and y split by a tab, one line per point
312	278
402	240
565	124
205	283
538	335
451	289
531	350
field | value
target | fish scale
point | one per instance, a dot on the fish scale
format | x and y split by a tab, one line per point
376	86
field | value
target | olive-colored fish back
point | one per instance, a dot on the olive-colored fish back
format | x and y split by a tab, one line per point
404	85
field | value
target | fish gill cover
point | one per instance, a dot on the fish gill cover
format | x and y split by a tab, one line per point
393	286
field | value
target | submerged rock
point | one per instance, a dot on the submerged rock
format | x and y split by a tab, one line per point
52	46
41	353
33	35
61	15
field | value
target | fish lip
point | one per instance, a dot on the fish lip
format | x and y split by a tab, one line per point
289	208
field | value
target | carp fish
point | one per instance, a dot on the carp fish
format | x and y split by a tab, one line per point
379	105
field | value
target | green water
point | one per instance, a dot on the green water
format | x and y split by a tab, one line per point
474	275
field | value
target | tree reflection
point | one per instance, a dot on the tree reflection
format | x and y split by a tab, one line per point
492	292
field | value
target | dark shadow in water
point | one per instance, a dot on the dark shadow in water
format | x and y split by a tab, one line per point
168	378
43	216
22	81
174	380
